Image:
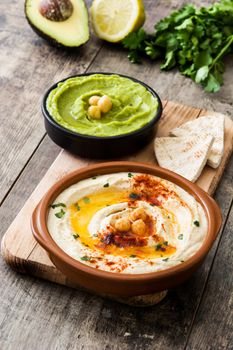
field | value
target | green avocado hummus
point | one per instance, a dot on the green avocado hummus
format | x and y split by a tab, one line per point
133	106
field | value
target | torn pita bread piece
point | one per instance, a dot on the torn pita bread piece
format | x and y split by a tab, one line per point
209	124
185	155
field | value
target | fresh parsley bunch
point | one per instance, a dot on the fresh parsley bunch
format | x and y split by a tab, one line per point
194	40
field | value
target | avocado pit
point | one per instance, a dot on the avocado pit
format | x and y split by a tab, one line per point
56	10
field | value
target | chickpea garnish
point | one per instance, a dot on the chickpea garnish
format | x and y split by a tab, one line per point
139	227
122	225
138	213
93	100
105	104
94	112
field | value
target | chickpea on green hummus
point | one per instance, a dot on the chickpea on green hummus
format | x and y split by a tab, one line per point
132	105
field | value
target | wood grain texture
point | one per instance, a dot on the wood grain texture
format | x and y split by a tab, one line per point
217	296
36	314
24	76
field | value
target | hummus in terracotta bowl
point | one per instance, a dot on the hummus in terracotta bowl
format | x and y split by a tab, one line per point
134	227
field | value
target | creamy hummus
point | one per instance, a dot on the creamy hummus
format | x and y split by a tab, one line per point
127	223
133	106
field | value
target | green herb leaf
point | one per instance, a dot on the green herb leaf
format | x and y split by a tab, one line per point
86	200
158	246
60	214
58	205
106	185
166	259
94	177
134	196
134	56
202	74
196	223
212	85
181	236
77	206
194	40
76	235
130	175
85	258
135	39
165	243
133	256
169	60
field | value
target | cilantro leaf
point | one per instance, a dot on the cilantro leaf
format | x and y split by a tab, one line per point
56	205
86	200
212	84
135	39
85	258
60	214
191	39
202	74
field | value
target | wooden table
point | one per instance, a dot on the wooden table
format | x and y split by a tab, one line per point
39	315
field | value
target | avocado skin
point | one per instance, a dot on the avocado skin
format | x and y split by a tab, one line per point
48	38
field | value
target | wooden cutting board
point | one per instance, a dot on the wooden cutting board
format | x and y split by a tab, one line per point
23	253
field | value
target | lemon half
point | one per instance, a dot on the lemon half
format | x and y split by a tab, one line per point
113	20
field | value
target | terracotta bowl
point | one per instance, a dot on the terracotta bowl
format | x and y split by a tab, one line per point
115	283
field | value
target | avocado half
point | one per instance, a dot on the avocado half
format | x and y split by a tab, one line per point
71	32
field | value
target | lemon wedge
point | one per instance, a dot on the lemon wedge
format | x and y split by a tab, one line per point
113	20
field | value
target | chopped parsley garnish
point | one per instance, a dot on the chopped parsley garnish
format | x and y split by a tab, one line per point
166	259
85	258
76	235
77	206
152	204
196	223
134	195
94	177
133	256
130	175
159	246
95	235
106	185
60	214
181	236
58	205
86	200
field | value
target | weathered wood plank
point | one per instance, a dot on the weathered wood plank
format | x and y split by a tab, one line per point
28	66
74	320
215	313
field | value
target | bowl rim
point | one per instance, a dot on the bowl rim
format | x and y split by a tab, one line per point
42	235
71	133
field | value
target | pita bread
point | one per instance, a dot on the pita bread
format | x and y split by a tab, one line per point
185	156
212	125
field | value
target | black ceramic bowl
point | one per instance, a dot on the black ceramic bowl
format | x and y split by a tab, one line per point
101	147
